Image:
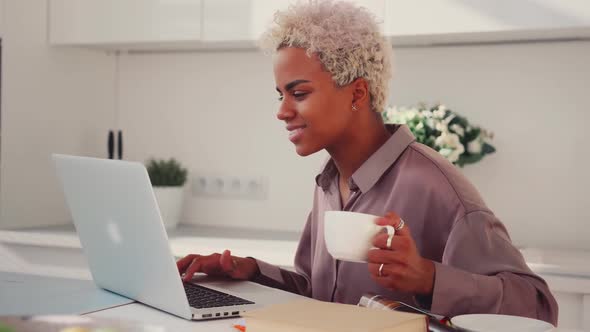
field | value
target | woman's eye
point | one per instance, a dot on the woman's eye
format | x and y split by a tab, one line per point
296	95
299	95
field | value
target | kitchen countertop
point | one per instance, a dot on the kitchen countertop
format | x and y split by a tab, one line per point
277	247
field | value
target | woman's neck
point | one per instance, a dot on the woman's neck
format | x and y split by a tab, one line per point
358	144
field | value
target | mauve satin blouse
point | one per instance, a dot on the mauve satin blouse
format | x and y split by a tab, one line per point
478	270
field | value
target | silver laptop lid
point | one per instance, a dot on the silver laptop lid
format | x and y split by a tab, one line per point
118	221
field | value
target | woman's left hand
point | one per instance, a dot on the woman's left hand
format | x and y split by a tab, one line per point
403	269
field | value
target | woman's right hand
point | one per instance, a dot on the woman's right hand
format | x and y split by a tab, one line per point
220	265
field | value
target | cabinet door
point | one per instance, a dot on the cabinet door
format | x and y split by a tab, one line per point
432	17
262	13
238	20
226	20
124	21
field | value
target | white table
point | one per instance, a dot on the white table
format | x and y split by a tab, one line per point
59	254
146	315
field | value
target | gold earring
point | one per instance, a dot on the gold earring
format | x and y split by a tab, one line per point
354	107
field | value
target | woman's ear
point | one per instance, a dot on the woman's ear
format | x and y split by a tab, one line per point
360	92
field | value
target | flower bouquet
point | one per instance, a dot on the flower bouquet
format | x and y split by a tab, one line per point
445	131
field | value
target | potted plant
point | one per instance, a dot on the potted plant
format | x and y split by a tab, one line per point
168	178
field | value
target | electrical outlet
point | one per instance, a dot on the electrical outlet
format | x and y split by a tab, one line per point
230	187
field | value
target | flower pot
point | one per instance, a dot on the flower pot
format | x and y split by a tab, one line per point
170	202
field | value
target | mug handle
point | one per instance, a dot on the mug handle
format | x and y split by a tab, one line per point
390	232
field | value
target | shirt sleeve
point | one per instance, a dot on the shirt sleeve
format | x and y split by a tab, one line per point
298	282
482	272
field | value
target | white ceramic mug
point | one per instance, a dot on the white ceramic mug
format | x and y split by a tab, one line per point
349	235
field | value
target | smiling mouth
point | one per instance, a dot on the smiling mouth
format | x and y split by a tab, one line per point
296	133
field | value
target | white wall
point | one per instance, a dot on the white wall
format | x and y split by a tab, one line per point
53	100
216	112
1	18
534	97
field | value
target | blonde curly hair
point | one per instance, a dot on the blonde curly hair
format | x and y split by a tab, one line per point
345	37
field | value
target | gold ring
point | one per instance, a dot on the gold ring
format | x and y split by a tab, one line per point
381	270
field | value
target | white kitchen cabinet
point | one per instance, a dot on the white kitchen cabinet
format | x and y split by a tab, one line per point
448	21
572	294
226	20
210	24
262	12
238	20
137	23
247	20
152	24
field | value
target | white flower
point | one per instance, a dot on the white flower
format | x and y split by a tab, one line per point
460	149
445	152
442	127
438	114
475	146
453	157
438	120
456	154
426	114
451	147
430	123
450	154
448	140
458	129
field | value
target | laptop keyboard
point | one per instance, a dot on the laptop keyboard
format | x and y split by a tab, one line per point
200	297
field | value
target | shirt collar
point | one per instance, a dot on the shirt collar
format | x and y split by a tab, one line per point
365	177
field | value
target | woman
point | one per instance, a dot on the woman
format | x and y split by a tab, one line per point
453	256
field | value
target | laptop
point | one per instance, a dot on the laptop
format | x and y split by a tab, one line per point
121	231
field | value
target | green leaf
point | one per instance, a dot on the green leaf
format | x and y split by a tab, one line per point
166	172
486	148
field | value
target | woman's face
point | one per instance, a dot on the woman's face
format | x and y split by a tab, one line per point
316	112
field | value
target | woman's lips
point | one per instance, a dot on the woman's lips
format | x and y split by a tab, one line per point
295	134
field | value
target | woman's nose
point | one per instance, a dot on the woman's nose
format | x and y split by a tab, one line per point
285	112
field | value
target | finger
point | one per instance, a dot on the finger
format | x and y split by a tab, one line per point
211	265
392	219
387	282
374	270
192	269
388	272
376	256
227	262
398	243
183	263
